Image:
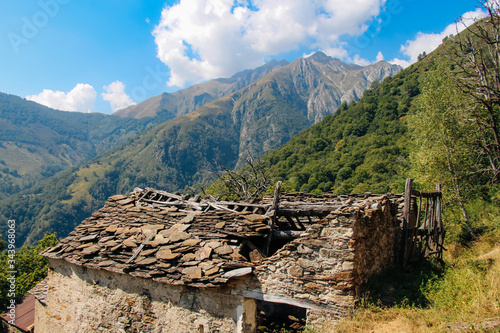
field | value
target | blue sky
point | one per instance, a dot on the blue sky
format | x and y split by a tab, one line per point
103	55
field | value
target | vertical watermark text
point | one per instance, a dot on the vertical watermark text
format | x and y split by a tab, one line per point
11	270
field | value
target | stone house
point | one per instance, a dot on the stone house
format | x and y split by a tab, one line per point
154	261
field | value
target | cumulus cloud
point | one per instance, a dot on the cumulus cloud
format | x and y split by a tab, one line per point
116	96
81	98
359	61
380	57
401	62
336	52
203	39
429	42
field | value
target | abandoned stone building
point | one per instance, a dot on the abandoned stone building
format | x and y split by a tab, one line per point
154	261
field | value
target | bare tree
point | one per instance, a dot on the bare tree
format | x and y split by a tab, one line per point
476	57
246	184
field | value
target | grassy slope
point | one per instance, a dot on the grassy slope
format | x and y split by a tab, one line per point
463	294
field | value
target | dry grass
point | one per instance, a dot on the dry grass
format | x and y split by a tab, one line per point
466	298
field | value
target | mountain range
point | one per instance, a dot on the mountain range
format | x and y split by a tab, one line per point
176	140
170	105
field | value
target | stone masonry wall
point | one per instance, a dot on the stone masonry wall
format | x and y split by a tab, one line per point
87	300
327	265
377	239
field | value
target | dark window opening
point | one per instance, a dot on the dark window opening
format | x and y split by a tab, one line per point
277	317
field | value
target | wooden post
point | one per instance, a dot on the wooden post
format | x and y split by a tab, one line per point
407	210
246	313
439	222
276	202
406	220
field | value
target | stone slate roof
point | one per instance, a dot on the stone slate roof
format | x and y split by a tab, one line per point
195	242
158	235
40	291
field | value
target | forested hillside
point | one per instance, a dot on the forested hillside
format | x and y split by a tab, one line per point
363	147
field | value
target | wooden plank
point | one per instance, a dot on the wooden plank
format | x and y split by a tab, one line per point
237	272
407	202
439	223
303	213
439	208
195	205
406	217
419	212
250	205
301	226
220	207
139	249
253	247
167	194
425	194
291	222
256	294
274	210
144	195
306	207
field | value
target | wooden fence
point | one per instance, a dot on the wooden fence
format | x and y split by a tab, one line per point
423	232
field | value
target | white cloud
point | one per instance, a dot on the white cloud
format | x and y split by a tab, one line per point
81	98
359	61
341	53
336	52
116	96
429	42
203	39
401	62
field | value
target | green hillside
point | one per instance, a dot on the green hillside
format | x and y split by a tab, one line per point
363	147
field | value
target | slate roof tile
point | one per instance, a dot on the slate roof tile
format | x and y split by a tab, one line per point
162	236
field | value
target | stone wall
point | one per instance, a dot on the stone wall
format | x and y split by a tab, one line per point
40	319
326	266
86	300
377	237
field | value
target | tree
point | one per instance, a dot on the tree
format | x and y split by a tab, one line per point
30	268
245	184
441	132
475	54
2	243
